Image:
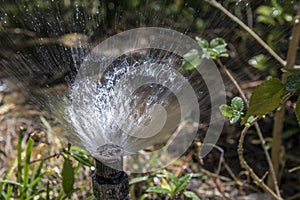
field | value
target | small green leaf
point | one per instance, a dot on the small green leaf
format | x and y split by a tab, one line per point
218	43
67	176
183	181
191	195
83	159
265	98
298	110
237	104
165	184
202	42
259	62
172	177
264	10
158	190
226	110
138	180
218	48
234	119
191	60
292	83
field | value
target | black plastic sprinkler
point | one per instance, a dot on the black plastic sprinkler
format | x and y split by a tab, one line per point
110	182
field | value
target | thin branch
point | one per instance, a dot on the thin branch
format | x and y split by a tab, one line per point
224	68
249	30
294	169
46	158
245	165
258	130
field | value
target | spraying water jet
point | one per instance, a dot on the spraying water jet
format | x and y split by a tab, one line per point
120	104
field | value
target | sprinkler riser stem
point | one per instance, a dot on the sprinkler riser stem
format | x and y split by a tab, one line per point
110	183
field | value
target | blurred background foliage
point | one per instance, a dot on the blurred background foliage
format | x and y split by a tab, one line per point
96	20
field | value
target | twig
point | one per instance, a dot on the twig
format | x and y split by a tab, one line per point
279	115
294	169
249	30
258	130
249	169
224	68
46	158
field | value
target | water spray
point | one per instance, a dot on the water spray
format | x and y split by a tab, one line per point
118	105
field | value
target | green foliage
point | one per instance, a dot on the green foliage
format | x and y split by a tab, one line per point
30	176
293	83
67	176
214	50
191	195
191	60
82	156
265	97
295	71
26	188
138	179
259	62
172	186
234	111
273	14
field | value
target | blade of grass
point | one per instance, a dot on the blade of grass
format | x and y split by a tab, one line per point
19	158
35	195
26	166
11	182
48	191
8	194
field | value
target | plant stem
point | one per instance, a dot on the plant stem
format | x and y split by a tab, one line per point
244	164
279	115
258	130
249	30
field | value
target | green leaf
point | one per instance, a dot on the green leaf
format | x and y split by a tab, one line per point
264	10
172	177
226	110
191	60
138	180
259	62
292	71
202	42
183	181
191	195
67	176
218	43
292	83
234	119
158	190
19	156
237	104
81	158
298	110
27	162
165	184
265	97
12	182
218	48
9	191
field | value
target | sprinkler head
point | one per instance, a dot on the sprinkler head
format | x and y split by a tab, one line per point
110	153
